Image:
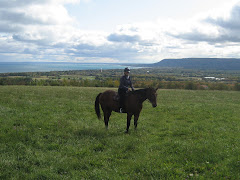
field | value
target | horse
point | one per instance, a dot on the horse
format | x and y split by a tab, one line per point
133	104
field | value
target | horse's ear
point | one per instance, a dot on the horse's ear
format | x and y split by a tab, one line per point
156	88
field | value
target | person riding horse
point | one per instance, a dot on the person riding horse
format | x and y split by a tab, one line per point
124	87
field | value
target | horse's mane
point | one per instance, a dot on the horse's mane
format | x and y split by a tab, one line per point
142	90
139	91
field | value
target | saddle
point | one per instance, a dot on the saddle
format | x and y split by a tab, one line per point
116	97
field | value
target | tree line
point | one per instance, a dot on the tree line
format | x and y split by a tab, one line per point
112	82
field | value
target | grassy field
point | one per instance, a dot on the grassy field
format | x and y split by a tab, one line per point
53	133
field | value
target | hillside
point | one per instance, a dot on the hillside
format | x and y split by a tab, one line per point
54	133
200	63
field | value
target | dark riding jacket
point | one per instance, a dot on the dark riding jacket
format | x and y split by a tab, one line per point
125	83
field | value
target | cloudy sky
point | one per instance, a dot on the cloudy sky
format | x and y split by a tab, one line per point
139	31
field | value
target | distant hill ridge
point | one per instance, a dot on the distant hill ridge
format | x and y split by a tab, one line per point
200	63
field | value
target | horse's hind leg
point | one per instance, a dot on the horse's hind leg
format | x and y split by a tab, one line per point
107	115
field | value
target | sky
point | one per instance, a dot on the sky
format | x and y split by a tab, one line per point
118	31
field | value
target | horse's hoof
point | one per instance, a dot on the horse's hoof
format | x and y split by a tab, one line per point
126	132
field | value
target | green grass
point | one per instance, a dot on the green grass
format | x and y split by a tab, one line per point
53	133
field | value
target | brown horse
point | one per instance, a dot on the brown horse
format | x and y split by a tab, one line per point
133	104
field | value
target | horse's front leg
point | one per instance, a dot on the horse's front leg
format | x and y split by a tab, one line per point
136	116
129	117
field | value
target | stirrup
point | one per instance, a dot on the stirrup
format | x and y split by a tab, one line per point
121	110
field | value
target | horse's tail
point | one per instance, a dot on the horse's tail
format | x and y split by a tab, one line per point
97	109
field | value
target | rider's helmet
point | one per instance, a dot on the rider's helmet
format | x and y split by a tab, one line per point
126	70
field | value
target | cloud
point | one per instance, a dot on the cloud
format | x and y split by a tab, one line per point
16	16
19	18
229	20
123	38
13	3
44	30
104	51
220	27
32	28
10	28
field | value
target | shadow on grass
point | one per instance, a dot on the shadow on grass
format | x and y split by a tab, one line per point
95	132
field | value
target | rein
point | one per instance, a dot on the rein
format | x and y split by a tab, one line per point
141	94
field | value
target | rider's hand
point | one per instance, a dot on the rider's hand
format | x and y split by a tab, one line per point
129	89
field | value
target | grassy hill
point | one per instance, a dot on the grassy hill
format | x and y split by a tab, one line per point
200	63
53	133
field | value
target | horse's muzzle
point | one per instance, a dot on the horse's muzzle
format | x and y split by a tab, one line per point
154	105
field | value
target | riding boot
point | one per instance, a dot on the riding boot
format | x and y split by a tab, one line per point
122	94
122	107
121	110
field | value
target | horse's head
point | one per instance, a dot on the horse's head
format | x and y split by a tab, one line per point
152	96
